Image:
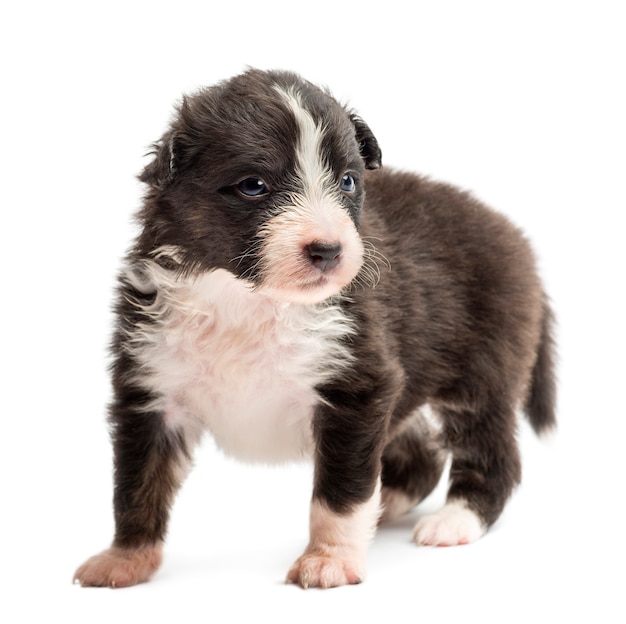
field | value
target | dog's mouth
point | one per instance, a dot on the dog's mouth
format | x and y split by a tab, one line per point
313	290
320	270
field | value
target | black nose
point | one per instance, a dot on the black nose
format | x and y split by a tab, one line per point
324	256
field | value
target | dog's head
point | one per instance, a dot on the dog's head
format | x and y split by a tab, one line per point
262	175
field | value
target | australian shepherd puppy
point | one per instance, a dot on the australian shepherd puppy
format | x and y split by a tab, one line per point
293	299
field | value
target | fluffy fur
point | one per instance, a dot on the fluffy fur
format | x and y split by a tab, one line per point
293	299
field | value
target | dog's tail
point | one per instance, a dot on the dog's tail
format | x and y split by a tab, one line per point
541	400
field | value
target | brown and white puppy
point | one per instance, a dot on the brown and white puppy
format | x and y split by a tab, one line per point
291	302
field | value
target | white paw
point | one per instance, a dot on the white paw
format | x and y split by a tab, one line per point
119	567
324	571
453	525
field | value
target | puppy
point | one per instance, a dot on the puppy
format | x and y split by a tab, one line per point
291	298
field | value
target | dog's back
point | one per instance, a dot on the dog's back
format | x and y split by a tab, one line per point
466	315
463	297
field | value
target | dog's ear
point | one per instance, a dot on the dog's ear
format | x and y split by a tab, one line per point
160	172
368	145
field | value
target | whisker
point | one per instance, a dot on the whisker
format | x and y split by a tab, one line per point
370	274
373	252
251	252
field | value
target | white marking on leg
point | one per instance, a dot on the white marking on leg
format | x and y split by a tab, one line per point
336	554
453	525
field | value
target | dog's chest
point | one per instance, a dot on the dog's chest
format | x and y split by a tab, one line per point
242	365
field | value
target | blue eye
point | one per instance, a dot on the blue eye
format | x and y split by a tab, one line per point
347	184
252	187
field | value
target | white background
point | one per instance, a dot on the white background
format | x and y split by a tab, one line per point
522	102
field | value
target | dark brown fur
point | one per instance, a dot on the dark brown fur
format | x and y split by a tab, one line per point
458	320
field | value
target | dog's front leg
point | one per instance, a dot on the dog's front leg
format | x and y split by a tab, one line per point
346	501
150	462
336	554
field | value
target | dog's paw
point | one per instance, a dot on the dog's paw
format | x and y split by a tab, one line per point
325	571
119	567
453	525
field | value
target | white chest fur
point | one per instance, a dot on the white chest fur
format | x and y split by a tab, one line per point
221	357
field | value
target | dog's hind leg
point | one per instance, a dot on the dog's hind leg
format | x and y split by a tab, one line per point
412	465
151	460
485	469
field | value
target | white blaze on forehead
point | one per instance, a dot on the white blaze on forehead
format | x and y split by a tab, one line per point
315	174
313	212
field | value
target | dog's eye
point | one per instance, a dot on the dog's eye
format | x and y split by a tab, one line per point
347	183
252	187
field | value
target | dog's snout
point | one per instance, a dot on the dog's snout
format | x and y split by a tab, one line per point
324	255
